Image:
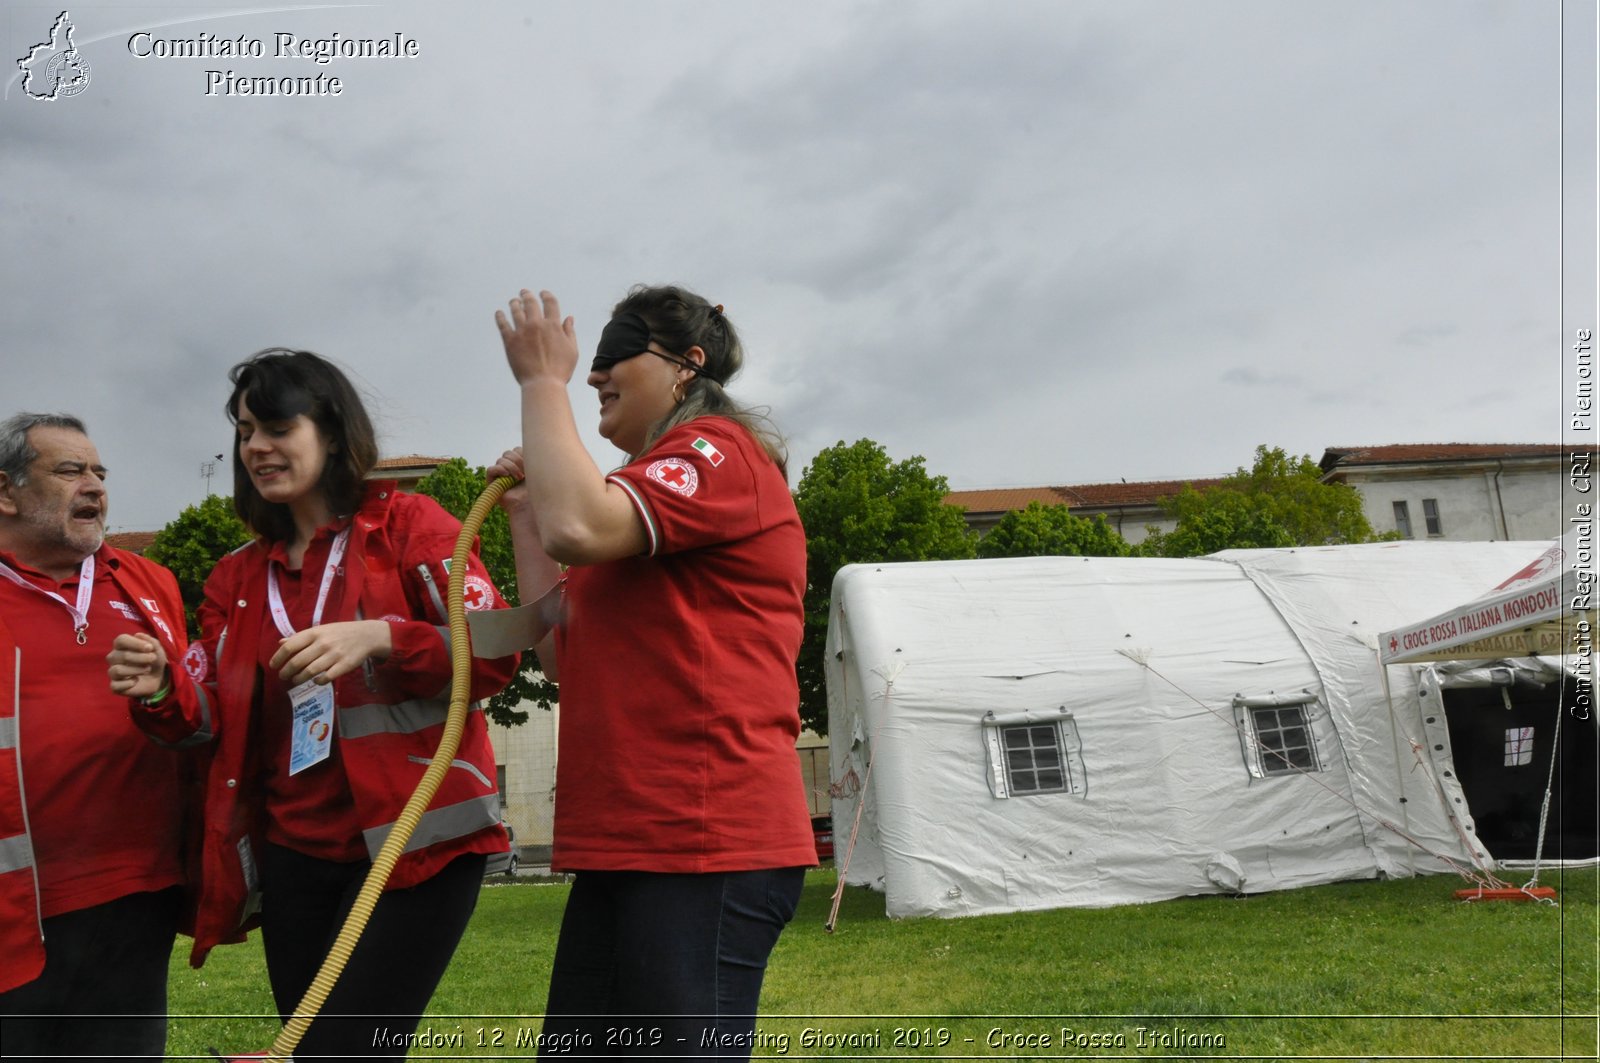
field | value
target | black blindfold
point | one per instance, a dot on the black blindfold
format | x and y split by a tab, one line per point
625	336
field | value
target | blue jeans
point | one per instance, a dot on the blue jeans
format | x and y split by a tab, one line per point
655	964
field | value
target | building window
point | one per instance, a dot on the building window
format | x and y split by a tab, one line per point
1430	516
1033	753
1519	746
1402	519
1276	734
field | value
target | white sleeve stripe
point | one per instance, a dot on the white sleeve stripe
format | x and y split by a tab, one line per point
650	529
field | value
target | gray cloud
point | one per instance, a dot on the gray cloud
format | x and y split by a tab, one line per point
1035	242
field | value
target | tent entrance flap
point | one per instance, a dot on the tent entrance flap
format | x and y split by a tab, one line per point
1500	741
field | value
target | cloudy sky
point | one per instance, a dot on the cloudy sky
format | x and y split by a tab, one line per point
1059	242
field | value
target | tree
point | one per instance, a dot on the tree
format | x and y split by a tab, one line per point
456	487
859	507
1041	531
1279	501
192	545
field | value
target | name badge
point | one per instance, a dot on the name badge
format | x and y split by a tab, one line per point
312	734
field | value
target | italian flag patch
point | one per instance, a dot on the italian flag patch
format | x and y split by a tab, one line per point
712	454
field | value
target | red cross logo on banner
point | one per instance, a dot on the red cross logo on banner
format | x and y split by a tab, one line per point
476	593
676	474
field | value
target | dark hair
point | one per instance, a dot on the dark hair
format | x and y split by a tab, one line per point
16	453
680	319
280	384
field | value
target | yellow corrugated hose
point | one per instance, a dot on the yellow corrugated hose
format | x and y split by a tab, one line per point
406	822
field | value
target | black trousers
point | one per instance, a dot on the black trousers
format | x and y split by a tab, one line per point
653	964
103	991
396	965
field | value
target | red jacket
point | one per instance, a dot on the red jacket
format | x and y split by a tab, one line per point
390	716
21	934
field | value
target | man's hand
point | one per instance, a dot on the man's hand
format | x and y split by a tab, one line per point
137	665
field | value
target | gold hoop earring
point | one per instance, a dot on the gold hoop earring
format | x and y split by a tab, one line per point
678	393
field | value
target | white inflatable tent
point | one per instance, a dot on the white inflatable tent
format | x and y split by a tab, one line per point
1048	732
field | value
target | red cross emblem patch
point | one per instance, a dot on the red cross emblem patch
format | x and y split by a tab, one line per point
675	473
476	593
196	663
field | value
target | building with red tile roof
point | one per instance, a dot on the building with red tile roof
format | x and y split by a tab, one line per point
135	542
1459	491
406	469
1128	507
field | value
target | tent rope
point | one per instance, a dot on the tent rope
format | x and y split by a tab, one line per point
1549	786
843	869
1478	875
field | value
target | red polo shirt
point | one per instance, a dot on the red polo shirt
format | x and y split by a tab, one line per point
103	801
679	706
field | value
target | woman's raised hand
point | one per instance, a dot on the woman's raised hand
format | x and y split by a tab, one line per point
539	343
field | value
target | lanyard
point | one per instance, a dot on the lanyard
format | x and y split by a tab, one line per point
80	611
275	597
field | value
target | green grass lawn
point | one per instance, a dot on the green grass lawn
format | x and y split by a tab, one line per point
1360	970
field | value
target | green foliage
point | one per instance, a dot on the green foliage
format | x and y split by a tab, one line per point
859	507
1043	531
192	545
456	487
1279	501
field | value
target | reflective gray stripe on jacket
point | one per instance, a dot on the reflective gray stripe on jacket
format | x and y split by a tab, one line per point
441	824
464	765
405	717
207	729
16	853
8	732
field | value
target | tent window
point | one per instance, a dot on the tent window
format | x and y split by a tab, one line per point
1283	740
1034	764
1402	519
1430	516
1033	753
1519	746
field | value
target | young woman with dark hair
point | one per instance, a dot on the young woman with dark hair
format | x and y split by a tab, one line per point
320	680
280	385
679	800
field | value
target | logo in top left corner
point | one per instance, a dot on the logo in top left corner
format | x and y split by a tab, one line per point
55	69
